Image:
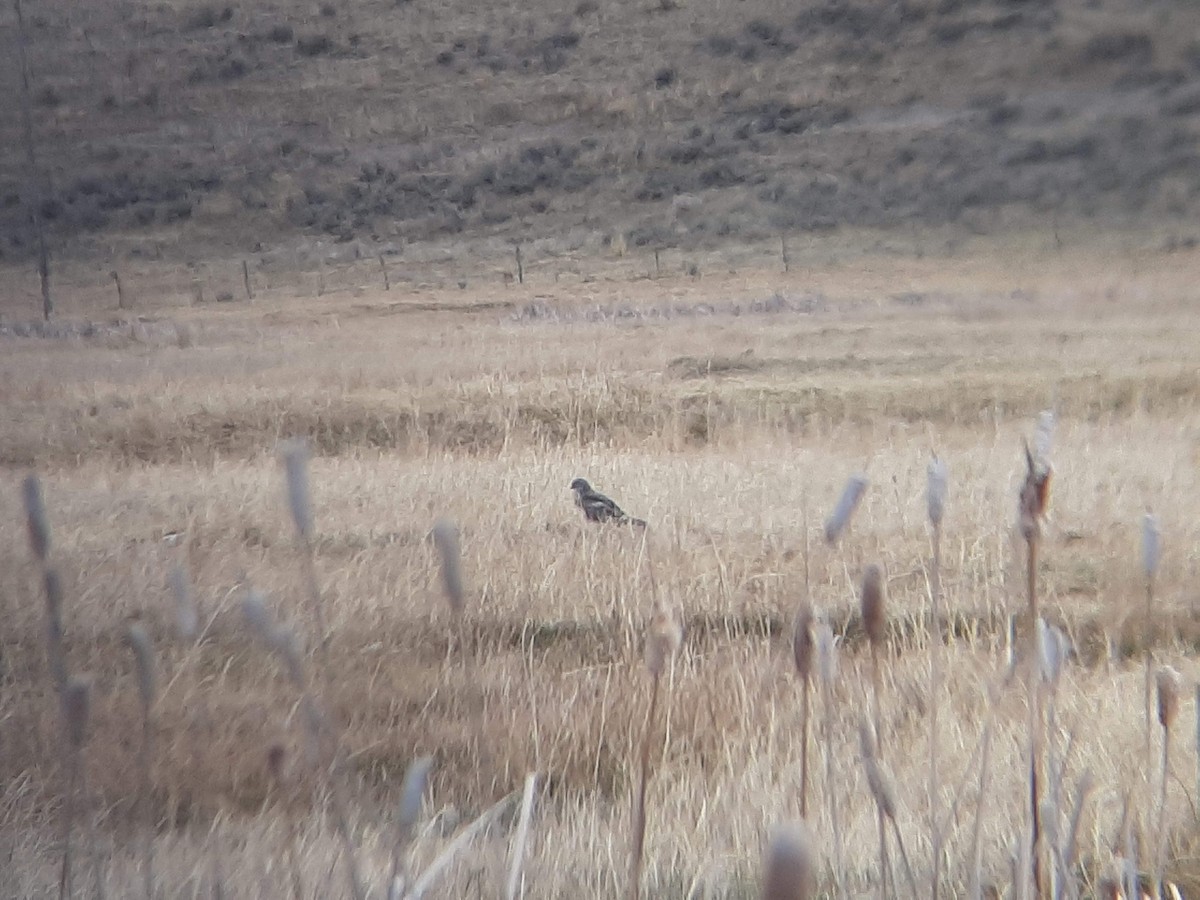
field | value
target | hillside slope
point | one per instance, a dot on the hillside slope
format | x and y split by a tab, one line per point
220	128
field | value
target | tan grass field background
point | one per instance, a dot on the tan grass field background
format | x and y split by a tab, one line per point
728	410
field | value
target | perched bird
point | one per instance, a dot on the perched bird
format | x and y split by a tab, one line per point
598	508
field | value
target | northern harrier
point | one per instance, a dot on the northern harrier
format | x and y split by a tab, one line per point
598	508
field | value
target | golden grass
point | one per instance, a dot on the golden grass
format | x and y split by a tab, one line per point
177	465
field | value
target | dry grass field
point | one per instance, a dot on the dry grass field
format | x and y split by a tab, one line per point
728	410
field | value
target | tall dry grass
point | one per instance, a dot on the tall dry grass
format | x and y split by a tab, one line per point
551	654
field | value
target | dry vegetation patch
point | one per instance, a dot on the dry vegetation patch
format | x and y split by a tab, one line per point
733	436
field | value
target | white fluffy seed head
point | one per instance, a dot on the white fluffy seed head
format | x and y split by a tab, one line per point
187	620
663	640
258	617
852	495
295	464
1053	650
936	488
445	536
1043	436
415	780
826	653
1151	545
143	658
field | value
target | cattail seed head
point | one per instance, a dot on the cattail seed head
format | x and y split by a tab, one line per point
295	463
1169	685
415	780
872	604
936	488
877	779
35	517
802	641
143	658
1034	497
826	653
77	708
276	757
258	617
445	536
1151	545
662	641
1053	650
187	620
789	868
1043	436
852	494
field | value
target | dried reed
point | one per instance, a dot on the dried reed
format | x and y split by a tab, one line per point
839	521
276	766
295	462
883	793
789	869
321	742
802	656
513	888
143	658
1169	685
39	542
827	669
936	489
76	709
1151	554
187	619
416	779
1031	511
871	605
663	639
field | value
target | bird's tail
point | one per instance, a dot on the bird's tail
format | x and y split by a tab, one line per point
640	523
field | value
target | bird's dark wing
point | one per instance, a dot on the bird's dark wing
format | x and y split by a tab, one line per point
599	508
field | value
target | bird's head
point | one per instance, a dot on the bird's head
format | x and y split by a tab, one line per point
580	485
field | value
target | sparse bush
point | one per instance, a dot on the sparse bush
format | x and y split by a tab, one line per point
281	34
1130	47
664	77
314	44
208	17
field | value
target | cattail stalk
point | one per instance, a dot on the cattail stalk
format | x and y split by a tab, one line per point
38	525
802	655
143	657
1034	497
975	890
1070	853
848	502
662	642
789	871
1168	683
935	503
874	617
513	890
827	668
415	781
295	463
449	548
883	792
321	741
276	756
76	708
1151	553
